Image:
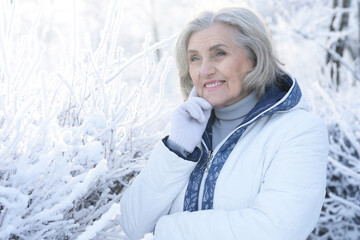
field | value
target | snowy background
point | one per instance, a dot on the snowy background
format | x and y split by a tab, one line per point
87	88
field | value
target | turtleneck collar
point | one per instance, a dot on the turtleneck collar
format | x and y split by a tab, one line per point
237	110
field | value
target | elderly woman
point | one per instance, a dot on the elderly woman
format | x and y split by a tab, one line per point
245	159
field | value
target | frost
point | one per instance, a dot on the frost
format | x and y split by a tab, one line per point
148	236
69	141
98	225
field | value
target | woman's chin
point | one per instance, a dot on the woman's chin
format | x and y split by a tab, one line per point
215	100
214	103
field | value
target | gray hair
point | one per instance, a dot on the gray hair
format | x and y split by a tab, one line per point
250	33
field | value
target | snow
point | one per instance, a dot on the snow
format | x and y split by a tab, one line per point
148	236
87	89
98	225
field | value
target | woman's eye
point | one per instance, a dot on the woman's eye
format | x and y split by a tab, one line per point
194	59
221	53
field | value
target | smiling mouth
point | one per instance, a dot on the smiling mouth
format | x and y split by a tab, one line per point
213	84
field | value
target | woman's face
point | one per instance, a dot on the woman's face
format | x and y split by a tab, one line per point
217	66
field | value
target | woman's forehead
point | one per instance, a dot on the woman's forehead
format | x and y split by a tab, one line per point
216	35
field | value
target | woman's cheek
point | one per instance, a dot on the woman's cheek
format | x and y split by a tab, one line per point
198	89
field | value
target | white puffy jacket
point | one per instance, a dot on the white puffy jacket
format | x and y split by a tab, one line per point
272	185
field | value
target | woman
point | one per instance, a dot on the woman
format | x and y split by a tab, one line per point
245	159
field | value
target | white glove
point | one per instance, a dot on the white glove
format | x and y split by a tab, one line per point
189	121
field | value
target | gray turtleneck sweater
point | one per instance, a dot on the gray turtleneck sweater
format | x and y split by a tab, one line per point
228	118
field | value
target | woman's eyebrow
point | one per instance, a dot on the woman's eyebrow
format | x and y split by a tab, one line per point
191	51
216	46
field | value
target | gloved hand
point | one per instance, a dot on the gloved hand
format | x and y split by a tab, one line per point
189	121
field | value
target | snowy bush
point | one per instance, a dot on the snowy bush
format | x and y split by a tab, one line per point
71	140
340	218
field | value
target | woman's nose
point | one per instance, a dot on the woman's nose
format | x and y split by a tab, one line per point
207	69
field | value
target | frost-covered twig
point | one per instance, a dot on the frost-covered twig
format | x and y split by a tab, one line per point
334	54
138	56
345	170
347	203
98	225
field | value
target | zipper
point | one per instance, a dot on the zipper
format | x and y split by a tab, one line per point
206	168
211	153
208	161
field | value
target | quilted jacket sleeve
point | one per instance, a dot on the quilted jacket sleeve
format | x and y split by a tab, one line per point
287	205
150	195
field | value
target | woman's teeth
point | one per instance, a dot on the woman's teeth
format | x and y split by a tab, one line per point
209	85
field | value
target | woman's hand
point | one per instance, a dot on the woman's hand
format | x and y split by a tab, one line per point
189	121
